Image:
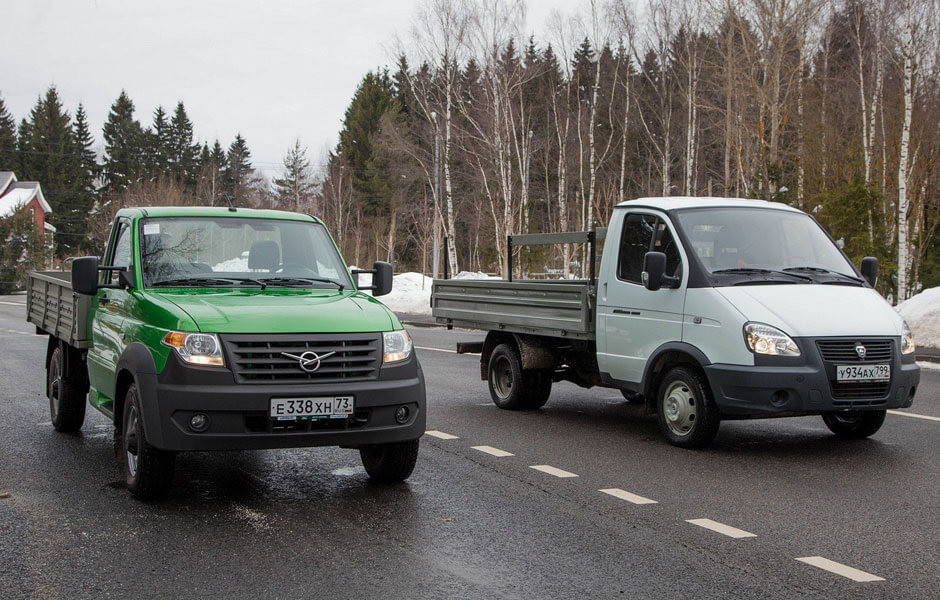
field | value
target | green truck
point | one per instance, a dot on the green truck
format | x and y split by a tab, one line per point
227	329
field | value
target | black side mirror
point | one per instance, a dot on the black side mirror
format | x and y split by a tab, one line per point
381	278
85	275
870	270
654	270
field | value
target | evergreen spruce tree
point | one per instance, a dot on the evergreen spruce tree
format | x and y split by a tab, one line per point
183	152
87	171
295	189
125	144
204	155
237	171
8	156
159	145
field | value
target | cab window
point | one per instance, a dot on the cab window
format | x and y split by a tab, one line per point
635	242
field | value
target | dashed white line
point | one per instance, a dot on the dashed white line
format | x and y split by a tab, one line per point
839	569
493	451
625	495
440	435
13	303
721	528
553	471
914	415
436	349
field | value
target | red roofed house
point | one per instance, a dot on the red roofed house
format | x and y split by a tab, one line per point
24	195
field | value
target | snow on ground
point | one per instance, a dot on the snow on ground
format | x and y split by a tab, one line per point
411	292
922	313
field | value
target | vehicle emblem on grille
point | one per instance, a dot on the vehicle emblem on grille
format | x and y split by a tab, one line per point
861	351
309	361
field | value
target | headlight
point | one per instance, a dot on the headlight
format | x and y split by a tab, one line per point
196	348
764	339
907	339
397	346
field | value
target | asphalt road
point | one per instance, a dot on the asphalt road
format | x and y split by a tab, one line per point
470	524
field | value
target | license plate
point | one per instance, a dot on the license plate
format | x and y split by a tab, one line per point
863	372
336	407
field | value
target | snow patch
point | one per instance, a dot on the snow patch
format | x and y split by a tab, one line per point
411	292
922	313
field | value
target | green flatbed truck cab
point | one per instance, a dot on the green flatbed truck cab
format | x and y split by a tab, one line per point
221	329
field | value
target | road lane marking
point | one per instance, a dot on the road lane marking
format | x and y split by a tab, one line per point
914	415
625	495
493	451
441	435
13	303
436	349
553	471
839	569
721	528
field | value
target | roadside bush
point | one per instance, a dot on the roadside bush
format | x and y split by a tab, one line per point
21	249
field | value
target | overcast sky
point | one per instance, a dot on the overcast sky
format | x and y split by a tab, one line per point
273	70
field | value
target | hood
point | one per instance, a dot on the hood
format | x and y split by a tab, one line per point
281	310
806	310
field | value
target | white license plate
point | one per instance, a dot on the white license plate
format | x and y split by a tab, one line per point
863	372
336	407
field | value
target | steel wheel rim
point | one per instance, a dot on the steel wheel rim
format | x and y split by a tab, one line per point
55	379
679	408
501	377
131	443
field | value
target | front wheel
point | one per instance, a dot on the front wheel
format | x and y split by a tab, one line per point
687	415
66	404
148	470
854	424
389	463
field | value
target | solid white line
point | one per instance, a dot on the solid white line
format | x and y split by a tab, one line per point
436	349
13	303
493	451
721	528
839	569
441	435
553	471
914	415
625	495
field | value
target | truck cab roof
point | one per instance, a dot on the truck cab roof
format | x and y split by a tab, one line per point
678	202
213	211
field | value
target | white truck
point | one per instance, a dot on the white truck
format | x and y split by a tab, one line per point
706	309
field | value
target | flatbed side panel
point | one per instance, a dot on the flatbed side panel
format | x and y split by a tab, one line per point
53	307
562	308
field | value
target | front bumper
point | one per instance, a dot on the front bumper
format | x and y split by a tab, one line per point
802	387
238	413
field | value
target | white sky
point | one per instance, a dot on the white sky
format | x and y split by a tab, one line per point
273	70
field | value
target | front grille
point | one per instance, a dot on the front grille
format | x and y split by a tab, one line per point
259	358
860	390
843	351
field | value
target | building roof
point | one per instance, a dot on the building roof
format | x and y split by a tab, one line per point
679	202
7	178
21	194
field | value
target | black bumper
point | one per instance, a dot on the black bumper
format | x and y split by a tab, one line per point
238	413
804	386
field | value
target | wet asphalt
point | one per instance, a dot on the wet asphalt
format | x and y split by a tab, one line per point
307	523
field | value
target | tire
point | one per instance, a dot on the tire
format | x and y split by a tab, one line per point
854	424
66	404
148	471
389	463
685	410
537	387
511	388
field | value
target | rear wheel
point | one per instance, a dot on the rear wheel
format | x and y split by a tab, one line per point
687	415
149	471
66	404
389	463
512	388
854	424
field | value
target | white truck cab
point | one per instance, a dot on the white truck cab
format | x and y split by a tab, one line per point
710	309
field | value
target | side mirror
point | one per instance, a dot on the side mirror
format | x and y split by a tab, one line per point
870	270
654	270
85	275
381	278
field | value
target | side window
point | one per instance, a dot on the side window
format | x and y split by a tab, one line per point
122	249
635	242
667	245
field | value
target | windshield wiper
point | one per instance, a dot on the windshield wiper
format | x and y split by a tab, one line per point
244	280
825	271
292	281
194	281
762	270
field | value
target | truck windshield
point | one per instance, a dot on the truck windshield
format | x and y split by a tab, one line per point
756	240
231	251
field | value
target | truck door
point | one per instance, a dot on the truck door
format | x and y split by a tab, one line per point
108	322
634	321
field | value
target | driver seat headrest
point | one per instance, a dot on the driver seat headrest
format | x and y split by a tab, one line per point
264	255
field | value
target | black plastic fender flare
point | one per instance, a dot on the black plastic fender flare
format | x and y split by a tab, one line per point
646	384
138	361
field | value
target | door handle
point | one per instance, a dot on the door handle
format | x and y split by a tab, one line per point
618	311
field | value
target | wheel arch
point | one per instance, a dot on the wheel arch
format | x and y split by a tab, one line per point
665	357
534	353
135	364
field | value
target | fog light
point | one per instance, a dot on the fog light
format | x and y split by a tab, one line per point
401	415
199	422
